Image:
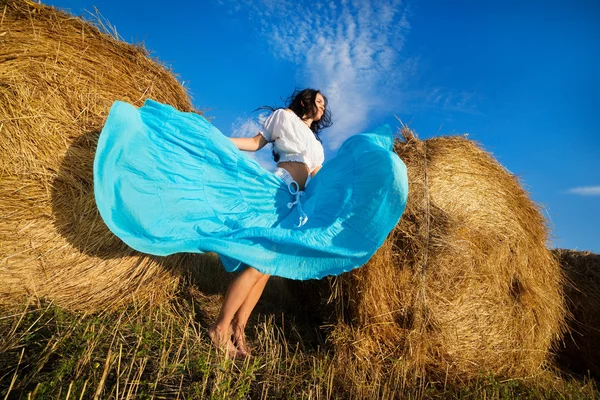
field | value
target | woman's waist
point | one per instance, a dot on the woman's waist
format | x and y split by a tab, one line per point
297	171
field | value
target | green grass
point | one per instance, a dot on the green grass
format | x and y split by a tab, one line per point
163	352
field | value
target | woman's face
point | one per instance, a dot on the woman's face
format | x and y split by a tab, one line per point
319	107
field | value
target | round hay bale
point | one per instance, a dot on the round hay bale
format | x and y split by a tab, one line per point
581	349
464	285
59	75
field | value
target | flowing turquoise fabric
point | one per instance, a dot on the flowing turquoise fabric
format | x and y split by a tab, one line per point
168	182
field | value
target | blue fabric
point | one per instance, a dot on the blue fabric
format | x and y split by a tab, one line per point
167	182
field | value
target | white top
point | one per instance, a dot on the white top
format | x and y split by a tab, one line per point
293	140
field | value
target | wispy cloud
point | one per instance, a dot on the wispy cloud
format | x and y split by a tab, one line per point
249	127
586	190
452	100
351	50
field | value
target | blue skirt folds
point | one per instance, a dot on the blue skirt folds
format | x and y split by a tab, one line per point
168	182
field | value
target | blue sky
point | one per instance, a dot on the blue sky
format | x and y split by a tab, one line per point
520	77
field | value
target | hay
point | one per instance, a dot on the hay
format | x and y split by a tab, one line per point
464	285
581	349
59	76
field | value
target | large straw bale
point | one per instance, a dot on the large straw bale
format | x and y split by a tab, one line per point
581	349
464	285
59	76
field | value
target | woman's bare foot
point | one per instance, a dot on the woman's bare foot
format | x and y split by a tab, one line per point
222	341
239	339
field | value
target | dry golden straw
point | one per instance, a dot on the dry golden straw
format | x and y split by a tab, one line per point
464	285
581	349
59	76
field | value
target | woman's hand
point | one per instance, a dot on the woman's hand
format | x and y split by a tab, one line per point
250	144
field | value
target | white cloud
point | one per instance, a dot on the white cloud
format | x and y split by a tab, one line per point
446	99
249	127
586	190
351	50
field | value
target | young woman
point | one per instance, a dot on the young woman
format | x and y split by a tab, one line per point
298	150
167	182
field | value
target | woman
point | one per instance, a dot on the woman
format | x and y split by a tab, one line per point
296	145
167	182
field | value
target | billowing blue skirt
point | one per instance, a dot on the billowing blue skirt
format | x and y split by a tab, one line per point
168	182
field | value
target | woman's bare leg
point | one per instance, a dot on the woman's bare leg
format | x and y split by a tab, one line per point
237	293
240	318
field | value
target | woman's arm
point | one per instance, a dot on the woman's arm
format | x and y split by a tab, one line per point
250	144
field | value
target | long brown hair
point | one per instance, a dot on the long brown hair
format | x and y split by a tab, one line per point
303	103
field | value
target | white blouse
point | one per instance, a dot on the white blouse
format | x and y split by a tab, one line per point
293	140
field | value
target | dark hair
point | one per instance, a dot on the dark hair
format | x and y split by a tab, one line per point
302	103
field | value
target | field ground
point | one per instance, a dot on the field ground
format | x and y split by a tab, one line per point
163	352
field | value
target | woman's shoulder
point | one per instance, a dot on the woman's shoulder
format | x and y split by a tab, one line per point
286	116
287	120
284	112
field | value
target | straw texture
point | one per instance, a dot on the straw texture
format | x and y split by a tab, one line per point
580	351
59	75
465	284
